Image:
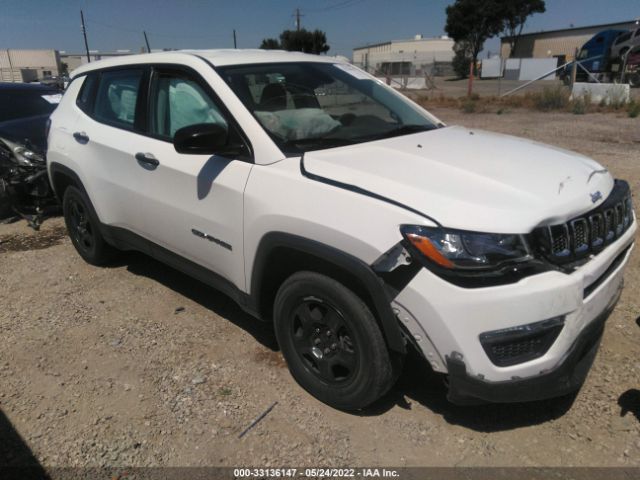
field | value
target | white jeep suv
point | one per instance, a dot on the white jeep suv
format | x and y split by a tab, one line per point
327	203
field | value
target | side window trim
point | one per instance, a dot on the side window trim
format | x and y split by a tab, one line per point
193	75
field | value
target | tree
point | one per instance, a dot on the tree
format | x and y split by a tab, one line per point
515	14
474	22
299	41
270	44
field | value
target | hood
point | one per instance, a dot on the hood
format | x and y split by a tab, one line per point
30	132
471	179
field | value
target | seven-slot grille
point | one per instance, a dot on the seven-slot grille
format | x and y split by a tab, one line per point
589	233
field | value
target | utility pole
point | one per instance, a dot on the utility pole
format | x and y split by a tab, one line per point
235	43
84	33
298	15
146	41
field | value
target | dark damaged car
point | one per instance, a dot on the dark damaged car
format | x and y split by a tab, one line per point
24	187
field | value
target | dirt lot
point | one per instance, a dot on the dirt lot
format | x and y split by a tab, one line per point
137	364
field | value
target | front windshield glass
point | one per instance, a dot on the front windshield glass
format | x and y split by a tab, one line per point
310	106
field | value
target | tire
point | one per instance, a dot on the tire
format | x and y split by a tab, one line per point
83	228
332	343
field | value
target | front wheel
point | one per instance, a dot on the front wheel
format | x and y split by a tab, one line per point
331	342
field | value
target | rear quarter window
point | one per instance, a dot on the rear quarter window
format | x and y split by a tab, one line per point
87	92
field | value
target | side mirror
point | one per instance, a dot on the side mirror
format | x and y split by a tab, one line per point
201	139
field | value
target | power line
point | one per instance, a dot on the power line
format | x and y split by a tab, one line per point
336	6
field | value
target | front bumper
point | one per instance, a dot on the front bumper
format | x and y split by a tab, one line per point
565	378
447	322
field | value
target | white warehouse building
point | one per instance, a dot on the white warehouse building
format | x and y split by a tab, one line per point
412	57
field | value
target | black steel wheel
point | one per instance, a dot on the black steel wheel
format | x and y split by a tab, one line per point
331	341
323	341
83	228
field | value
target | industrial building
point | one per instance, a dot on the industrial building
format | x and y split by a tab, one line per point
413	57
560	44
75	60
28	65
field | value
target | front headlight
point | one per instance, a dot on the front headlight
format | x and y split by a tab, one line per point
466	251
23	154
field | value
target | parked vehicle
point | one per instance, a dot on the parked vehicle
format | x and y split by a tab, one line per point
359	224
627	68
624	42
594	56
24	186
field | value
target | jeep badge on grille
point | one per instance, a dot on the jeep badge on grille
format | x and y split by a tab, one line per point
595	196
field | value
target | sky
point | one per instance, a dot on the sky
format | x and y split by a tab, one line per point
118	24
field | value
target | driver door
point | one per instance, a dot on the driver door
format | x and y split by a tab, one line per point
196	201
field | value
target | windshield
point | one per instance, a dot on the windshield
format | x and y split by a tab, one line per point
310	106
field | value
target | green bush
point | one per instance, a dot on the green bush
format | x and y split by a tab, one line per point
579	107
469	106
460	63
617	99
556	98
633	109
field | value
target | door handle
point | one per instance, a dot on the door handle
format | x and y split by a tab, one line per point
81	137
147	160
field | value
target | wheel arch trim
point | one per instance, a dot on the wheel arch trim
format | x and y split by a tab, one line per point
373	284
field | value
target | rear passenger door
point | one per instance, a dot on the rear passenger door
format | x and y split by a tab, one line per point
196	201
105	136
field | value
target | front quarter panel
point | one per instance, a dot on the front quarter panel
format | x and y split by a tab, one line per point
278	198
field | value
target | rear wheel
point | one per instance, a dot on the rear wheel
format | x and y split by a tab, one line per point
331	342
83	227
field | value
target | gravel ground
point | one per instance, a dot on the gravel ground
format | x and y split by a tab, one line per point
138	365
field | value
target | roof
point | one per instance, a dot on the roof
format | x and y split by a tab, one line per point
216	57
4	86
601	26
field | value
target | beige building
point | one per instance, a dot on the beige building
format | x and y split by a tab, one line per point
405	57
75	60
28	65
561	44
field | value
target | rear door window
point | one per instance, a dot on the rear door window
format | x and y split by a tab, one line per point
117	96
623	38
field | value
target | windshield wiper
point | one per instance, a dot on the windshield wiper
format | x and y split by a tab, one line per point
399	131
326	142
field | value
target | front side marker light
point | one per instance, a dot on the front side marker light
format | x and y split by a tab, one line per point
424	246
